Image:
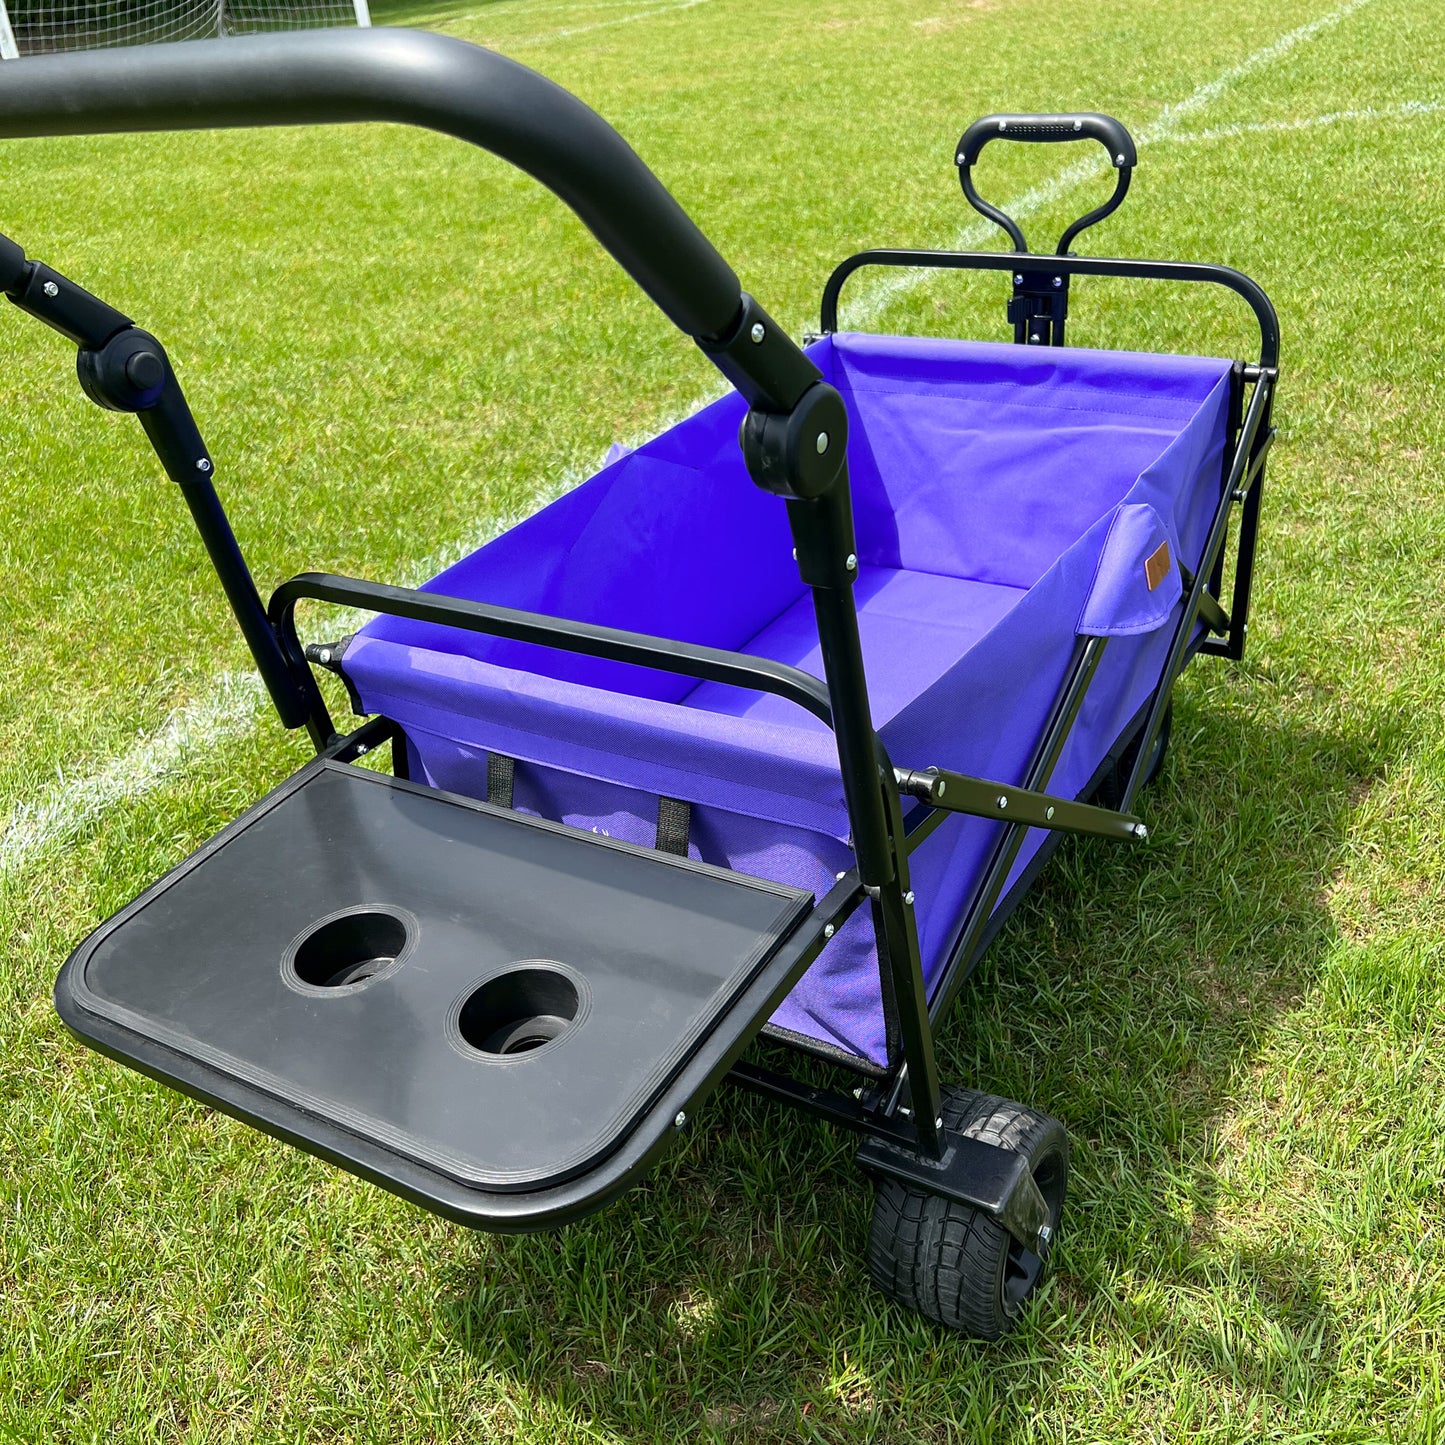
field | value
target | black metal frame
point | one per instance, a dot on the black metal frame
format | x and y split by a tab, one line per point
794	442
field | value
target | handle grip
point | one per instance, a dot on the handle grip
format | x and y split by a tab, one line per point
394	75
1085	125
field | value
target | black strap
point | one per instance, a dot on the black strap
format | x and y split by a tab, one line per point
674	824
501	775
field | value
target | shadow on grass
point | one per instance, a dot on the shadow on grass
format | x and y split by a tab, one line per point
727	1298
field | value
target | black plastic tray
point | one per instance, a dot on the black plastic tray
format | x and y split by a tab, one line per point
429	988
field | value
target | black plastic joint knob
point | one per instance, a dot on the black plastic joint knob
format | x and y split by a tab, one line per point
799	453
128	373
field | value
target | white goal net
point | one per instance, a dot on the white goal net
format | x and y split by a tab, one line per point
34	27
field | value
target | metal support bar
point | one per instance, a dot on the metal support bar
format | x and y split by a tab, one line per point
840	1109
901	975
1026	265
1252	488
1213	546
709	663
958	793
1211	614
123	368
1087	656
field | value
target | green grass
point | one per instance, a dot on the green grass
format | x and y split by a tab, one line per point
393	343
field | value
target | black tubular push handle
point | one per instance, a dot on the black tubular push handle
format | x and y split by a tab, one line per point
1085	125
406	76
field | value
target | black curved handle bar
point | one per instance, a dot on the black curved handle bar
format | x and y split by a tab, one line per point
1085	125
1190	271
395	75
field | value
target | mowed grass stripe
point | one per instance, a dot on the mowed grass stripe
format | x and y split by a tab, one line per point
1239	1025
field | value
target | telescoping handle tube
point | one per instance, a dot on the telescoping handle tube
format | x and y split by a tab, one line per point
1085	125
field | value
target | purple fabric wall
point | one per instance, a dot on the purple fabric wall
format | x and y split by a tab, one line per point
1005	499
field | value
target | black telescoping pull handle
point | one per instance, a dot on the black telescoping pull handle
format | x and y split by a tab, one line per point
1085	125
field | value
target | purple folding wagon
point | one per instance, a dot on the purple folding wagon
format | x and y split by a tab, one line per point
761	732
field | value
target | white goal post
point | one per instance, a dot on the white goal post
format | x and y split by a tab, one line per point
35	27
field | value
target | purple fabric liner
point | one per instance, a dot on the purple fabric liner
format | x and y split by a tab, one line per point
1006	499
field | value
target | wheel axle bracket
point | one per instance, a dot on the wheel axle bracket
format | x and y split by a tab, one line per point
971	1172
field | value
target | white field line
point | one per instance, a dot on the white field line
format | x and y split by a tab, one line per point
567	32
70	804
514	9
1403	110
190	731
866	309
531	7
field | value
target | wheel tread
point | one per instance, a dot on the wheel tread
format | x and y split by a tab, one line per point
946	1260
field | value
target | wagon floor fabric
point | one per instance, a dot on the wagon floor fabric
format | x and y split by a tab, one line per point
914	627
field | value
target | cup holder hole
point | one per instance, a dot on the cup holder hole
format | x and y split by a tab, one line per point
349	949
518	1011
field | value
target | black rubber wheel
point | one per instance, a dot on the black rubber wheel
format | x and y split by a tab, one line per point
956	1265
1110	792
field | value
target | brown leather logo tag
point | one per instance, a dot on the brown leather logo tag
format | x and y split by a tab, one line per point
1156	566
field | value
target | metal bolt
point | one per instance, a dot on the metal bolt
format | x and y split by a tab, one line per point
51	289
852	563
1140	831
1002	802
203	464
908	898
1034	339
1058	280
828	929
1119	159
757	333
1046	1233
822	442
958	160
1078	125
941	789
938	1122
1018	280
1003	125
680	1120
361	748
1048	814
325	654
839	877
